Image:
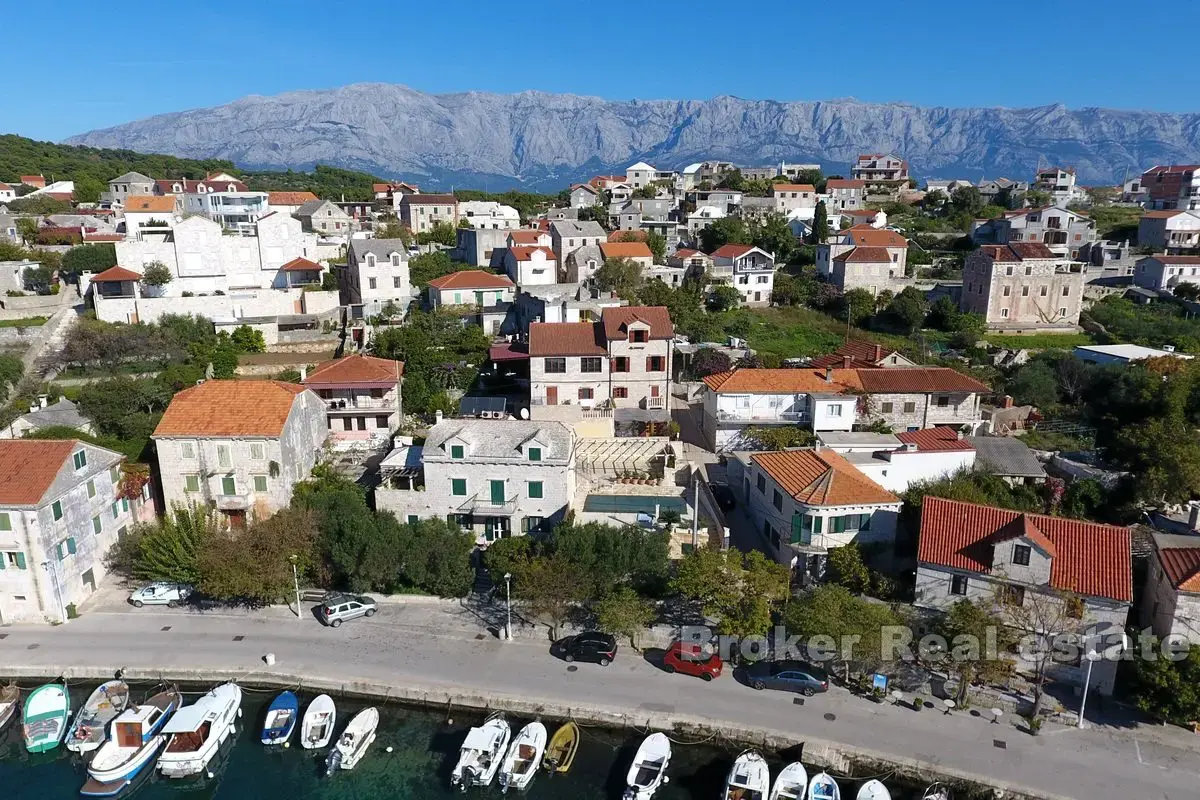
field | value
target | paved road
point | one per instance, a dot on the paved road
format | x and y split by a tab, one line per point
413	646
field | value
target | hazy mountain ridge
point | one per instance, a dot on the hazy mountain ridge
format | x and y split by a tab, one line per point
537	140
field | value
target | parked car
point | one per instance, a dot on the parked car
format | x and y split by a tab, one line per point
595	646
724	496
689	659
161	593
787	676
338	608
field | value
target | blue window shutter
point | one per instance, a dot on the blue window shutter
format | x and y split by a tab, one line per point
71	546
3	561
20	561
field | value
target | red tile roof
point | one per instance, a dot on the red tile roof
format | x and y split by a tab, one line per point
33	180
793	187
1182	567
687	252
731	250
150	203
1088	558
430	199
525	237
629	236
356	369
865	255
114	274
103	237
822	478
293	198
226	408
934	440
28	468
472	279
525	252
844	183
1177	259
863	355
612	249
616	321
1162	213
909	380
874	237
301	265
1017	251
566	339
783	381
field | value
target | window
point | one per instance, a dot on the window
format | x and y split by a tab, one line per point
1021	554
187	449
91	488
958	584
585	393
1007	291
56	510
885	408
396	283
381	422
80	459
116	510
910	408
458	487
97	524
1066	291
535	490
1012	595
396	263
620	392
191	483
1043	292
223	457
850	522
13	560
256	451
5	523
590	364
456	451
1028	270
531	524
655	364
1004	313
413	519
621	364
1062	312
534	453
260	484
1008	270
347	423
371	283
228	486
943	401
777	499
65	548
761	483
639	336
556	365
761	279
1024	291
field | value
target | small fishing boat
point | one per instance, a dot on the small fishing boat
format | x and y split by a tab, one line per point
354	741
749	778
791	783
45	718
281	719
197	732
10	701
316	729
873	790
937	791
524	755
560	753
481	753
90	727
823	787
649	768
136	737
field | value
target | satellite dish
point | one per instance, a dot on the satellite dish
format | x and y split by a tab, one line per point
524	413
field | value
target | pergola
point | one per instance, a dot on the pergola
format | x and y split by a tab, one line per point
626	454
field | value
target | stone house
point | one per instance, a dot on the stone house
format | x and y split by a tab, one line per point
326	217
124	186
376	273
913	398
584	195
531	266
1024	562
1064	231
1169	231
64	413
637	252
485	299
1171	597
884	174
421	212
1174	186
640	174
583	263
148	215
239	446
362	397
489	215
864	257
60	514
566	236
842	194
1022	286
494	478
791	197
289	202
861	354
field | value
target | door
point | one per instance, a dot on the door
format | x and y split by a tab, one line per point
551	395
497	493
237	519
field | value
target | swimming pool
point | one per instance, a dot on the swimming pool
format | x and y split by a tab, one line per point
632	504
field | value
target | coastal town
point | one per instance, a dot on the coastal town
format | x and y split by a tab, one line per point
671	416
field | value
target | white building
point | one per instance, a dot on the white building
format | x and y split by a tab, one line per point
486	214
748	269
897	461
376	273
149	215
1124	354
484	298
791	197
362	398
1169	231
531	266
640	174
221	197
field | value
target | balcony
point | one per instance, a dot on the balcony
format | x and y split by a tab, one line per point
654	403
234	502
358	403
484	507
765	416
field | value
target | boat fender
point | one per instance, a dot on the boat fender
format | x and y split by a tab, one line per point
389	749
287	745
239	713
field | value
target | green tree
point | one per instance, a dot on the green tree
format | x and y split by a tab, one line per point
612	556
858	305
967	199
710	361
820	224
27	228
774	235
39	205
256	563
507	556
1085	498
170	548
909	309
441	233
727	230
847	568
778	437
968	627
621	276
156	274
732	179
934	201
88	189
623	612
831	610
1034	384
89	258
395	229
1164	455
1037	198
1169	690
644	193
549	589
658	246
248	340
740	590
436	557
425	267
723	298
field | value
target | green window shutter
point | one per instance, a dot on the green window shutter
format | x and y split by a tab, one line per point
228	486
5	523
3	561
535	454
97	525
191	483
124	503
71	545
116	510
20	561
818	524
260	483
864	522
412	519
797	528
839	525
458	487
57	510
456	451
497	493
535	490
91	487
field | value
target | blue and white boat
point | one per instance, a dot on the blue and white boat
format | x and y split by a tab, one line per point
281	719
135	738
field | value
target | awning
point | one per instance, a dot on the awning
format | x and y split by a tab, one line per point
187	719
403	461
509	351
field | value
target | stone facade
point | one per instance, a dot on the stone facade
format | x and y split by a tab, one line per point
1022	287
916	411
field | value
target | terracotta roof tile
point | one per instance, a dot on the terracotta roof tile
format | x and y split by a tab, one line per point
525	237
1177	259
865	255
299	264
28	467
472	279
356	369
907	380
1182	567
1089	559
1017	251
525	252
732	250
616	321
934	440
294	198
612	249
863	355
115	274
822	477
150	202
623	236
1162	213
793	187
226	408
844	183
566	339
781	381
874	237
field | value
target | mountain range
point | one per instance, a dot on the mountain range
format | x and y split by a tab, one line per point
540	141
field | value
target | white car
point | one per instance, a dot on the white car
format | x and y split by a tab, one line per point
161	594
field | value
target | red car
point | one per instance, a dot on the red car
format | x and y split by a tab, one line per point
689	659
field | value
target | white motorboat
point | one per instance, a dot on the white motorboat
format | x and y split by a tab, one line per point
823	787
353	743
135	740
197	732
10	702
90	727
649	768
523	758
791	783
481	753
316	730
873	790
749	778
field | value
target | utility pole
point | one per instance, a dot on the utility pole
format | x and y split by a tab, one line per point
695	506
296	583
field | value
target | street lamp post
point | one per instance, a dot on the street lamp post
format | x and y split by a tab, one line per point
1093	655
508	605
296	583
49	567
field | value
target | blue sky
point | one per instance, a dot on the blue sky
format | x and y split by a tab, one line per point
108	64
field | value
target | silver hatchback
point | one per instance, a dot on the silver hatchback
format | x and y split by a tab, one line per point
338	608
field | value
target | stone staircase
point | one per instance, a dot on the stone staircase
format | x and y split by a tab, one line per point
41	359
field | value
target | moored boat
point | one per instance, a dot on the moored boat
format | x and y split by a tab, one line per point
353	743
281	719
791	783
10	702
649	768
90	727
873	790
45	717
135	738
520	764
937	791
823	787
749	778
560	753
320	718
481	753
197	732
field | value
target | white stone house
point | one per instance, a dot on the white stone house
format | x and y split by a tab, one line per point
239	446
362	397
421	212
844	193
637	252
1164	273
1171	597
897	461
1019	563
584	195
864	257
1022	286
376	273
531	266
485	299
149	215
60	513
494	478
1060	229
567	236
748	269
488	214
640	174
1169	231
791	197
326	217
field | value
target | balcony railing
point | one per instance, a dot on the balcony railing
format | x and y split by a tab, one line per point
656	402
763	416
234	502
483	506
355	403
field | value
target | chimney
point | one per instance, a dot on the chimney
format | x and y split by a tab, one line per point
959	435
303	373
1193	515
847	361
1006	401
878	353
829	374
437	416
42	400
910	447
